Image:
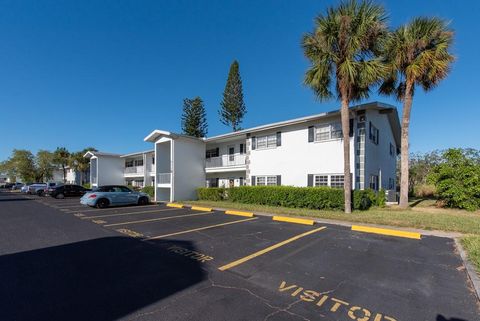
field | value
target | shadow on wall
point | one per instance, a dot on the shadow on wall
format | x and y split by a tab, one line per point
442	318
95	280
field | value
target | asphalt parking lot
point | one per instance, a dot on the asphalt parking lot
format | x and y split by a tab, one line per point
63	261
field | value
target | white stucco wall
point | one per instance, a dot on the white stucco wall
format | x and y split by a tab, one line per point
378	160
296	157
110	170
188	168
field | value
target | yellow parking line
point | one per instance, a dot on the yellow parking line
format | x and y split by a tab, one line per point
268	249
376	230
130	213
157	219
203	209
200	228
293	220
240	213
175	205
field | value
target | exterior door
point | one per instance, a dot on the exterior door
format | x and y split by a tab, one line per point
231	182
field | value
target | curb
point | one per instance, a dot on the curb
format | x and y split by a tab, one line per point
471	272
293	220
388	232
240	213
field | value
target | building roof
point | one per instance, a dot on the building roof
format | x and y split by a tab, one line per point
137	153
390	110
92	153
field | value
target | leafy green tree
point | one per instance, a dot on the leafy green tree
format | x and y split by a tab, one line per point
343	52
61	158
233	108
81	164
22	164
44	165
194	118
457	179
417	54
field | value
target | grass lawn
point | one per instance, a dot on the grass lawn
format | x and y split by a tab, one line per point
422	214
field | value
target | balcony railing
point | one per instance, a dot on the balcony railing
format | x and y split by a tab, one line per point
134	170
164	178
225	161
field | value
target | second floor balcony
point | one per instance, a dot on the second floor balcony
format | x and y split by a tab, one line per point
134	170
236	160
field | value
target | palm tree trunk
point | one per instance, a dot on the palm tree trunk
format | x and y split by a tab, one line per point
404	170
347	185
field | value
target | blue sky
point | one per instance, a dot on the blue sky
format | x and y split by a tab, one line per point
106	73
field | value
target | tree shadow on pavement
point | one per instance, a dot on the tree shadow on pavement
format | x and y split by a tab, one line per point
96	280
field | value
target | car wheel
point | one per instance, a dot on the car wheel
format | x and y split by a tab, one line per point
102	203
40	193
142	201
60	196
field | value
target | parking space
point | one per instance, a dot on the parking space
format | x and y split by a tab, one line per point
288	271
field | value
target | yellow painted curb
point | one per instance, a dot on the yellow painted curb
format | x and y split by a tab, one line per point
383	231
203	209
175	205
293	220
246	214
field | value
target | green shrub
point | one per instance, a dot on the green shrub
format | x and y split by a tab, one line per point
150	190
211	193
87	185
457	180
288	196
380	198
364	199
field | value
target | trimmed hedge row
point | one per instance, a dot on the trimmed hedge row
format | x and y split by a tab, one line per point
289	196
150	190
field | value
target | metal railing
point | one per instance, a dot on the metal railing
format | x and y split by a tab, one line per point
164	178
134	170
225	161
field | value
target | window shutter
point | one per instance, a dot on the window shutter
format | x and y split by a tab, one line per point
279	138
378	136
252	179
370	130
241	149
310	134
279	180
217	151
350	133
254	142
310	180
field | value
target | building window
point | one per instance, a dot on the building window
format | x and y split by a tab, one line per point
328	131
129	163
336	181
242	148
374	133
268	141
391	183
392	150
321	180
139	162
266	180
214	152
374	182
241	181
153	160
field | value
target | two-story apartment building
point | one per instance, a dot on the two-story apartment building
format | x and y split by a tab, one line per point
135	169
305	151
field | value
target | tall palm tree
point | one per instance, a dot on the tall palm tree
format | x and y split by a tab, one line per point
343	51
416	54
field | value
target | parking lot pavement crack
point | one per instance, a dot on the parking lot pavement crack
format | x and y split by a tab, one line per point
276	309
286	310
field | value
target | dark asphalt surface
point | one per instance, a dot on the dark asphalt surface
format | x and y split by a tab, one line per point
62	261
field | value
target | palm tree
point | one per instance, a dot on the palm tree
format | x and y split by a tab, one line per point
416	54
344	48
